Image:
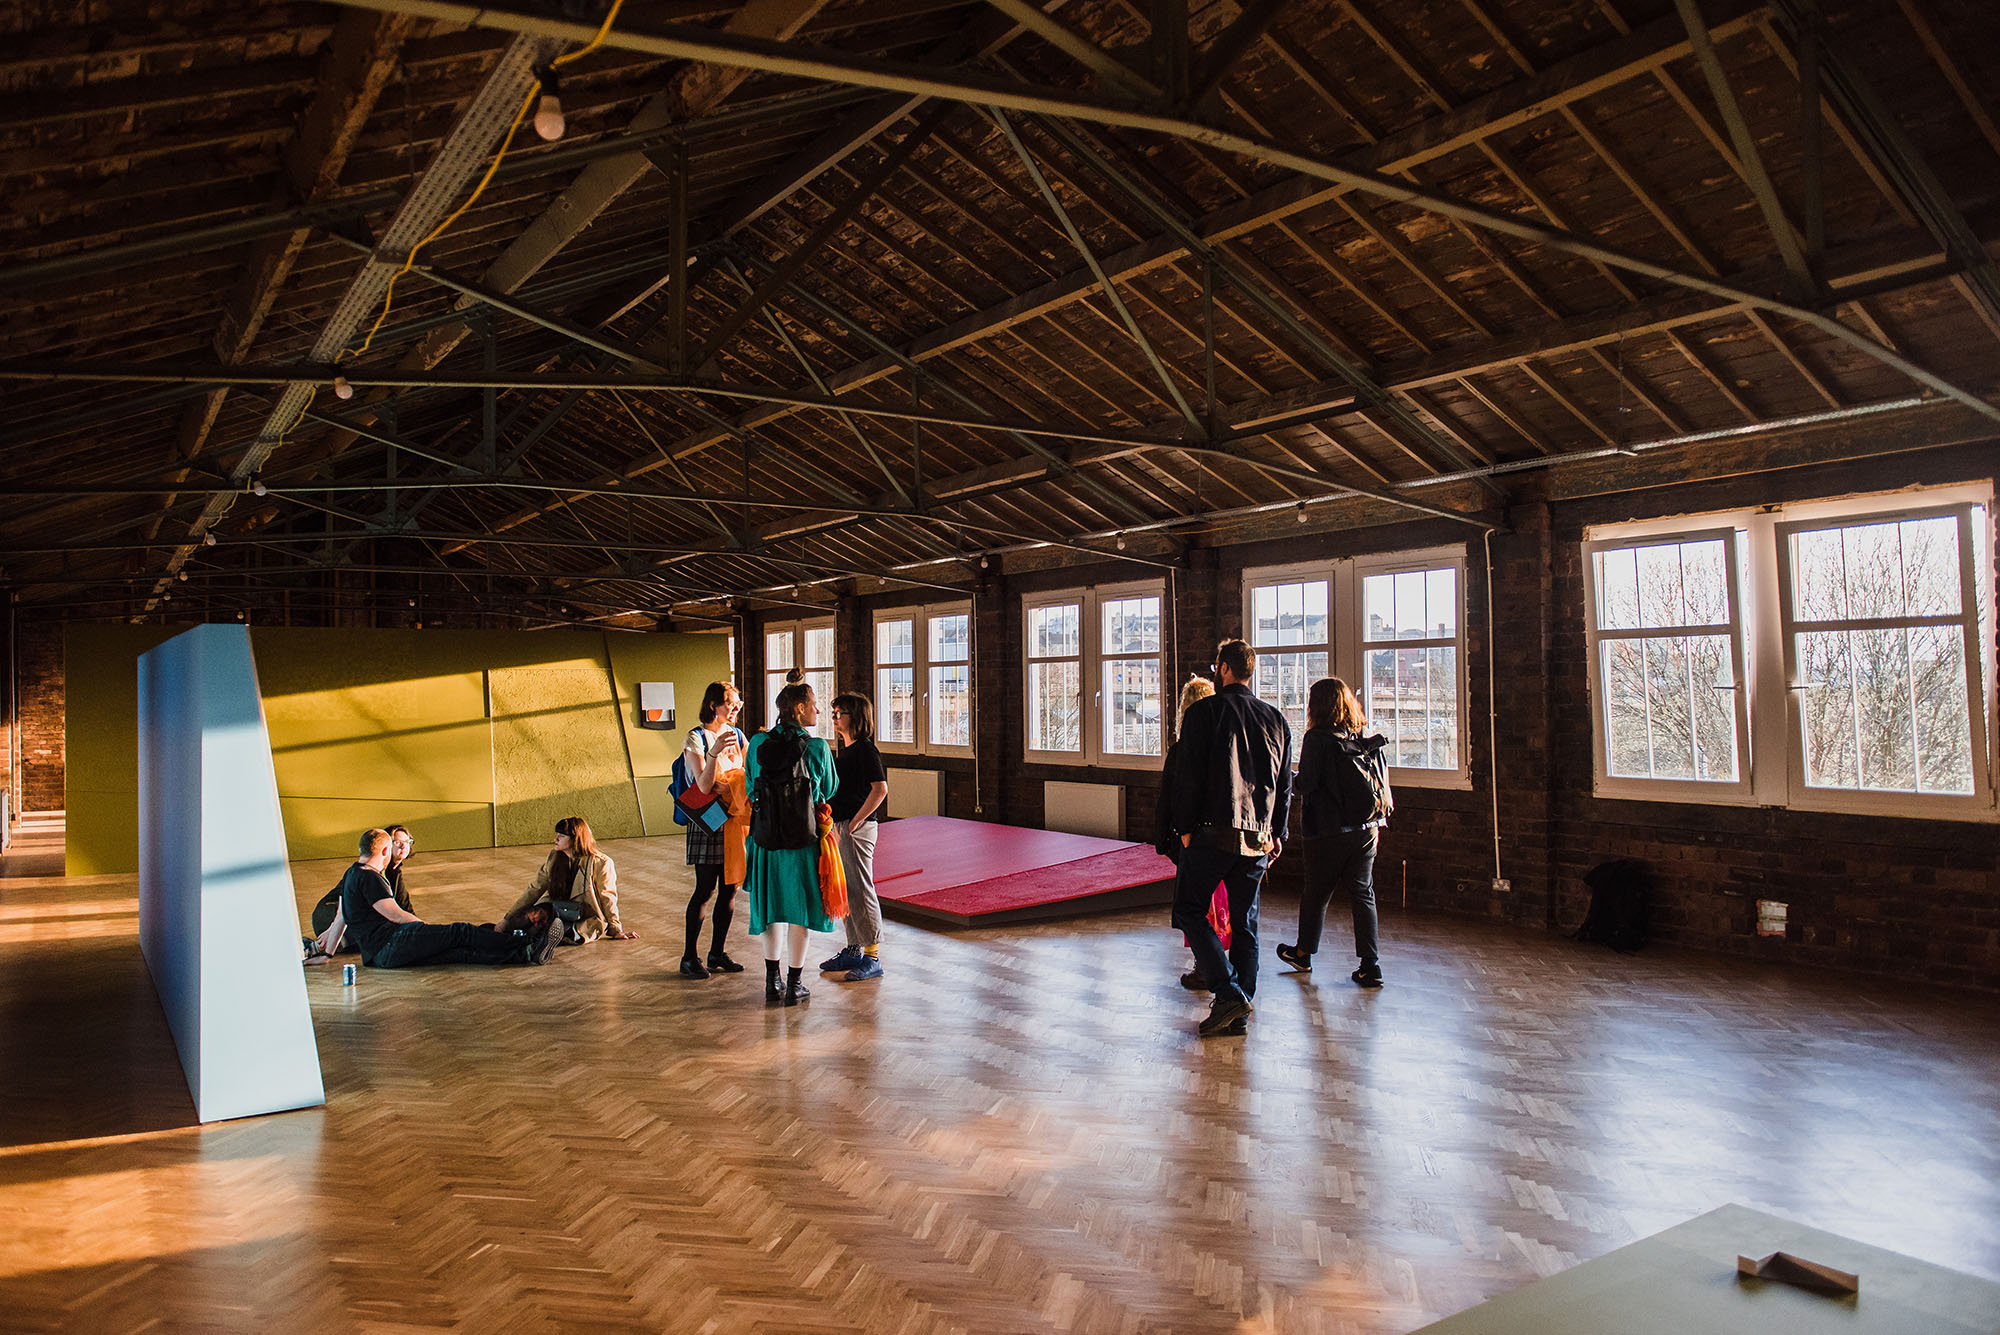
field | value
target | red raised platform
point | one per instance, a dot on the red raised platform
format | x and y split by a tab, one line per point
973	873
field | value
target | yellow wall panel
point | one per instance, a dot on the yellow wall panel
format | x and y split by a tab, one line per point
557	751
369	727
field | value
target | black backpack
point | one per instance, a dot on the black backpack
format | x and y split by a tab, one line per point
781	806
1359	780
1619	895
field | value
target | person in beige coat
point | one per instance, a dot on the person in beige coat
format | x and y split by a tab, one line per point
575	873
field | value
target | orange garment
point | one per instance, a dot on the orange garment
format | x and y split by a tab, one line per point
731	791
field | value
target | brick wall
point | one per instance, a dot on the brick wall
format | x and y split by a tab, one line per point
39	668
1911	898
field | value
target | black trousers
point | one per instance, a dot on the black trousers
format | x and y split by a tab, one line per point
448	943
1194	888
1340	862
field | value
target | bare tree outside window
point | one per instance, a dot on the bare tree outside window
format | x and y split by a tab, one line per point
1665	617
1878	627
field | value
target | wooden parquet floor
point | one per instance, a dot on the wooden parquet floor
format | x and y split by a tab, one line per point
1015	1131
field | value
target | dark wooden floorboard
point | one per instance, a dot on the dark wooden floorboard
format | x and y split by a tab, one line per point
1015	1130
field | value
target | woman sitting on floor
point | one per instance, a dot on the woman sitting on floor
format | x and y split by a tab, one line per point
581	885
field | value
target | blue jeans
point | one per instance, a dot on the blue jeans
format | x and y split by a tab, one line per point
1234	973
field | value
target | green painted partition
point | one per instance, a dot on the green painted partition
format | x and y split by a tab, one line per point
471	738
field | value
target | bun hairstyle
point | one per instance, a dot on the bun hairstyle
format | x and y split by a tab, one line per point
794	695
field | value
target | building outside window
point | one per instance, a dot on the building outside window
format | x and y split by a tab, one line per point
1392	627
1829	656
1094	667
806	644
923	679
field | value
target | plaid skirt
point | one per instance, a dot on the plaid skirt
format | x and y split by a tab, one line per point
704	846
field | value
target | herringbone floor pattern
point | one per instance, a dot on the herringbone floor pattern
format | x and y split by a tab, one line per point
1015	1131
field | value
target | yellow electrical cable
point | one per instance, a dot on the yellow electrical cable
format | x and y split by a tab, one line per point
389	293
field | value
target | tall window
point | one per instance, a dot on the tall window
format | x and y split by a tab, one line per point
923	679
1881	627
1055	677
1391	626
1666	653
805	644
1861	679
1290	631
1129	659
1094	676
1411	663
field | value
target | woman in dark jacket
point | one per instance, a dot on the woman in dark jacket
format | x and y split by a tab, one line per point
1340	844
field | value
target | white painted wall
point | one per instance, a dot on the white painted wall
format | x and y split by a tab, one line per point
217	920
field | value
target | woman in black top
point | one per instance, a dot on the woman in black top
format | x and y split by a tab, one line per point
1340	845
864	786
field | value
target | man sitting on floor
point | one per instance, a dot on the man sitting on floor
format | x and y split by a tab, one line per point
391	937
326	917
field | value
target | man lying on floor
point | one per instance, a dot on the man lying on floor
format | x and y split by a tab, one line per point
391	937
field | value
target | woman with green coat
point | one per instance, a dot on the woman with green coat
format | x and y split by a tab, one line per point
783	879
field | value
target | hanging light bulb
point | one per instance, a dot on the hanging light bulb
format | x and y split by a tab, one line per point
1302	512
341	389
1121	542
549	122
181	575
257	487
208	540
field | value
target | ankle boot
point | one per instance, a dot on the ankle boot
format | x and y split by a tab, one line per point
795	991
774	984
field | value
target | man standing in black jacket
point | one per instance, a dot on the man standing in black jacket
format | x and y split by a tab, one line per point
1231	801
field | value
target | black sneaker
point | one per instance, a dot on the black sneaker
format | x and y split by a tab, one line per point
1193	981
1225	1014
848	958
721	963
1295	957
691	968
1368	975
542	938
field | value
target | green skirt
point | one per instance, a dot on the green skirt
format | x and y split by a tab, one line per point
783	884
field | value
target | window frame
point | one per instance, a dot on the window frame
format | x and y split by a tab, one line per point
797	629
1089	601
1347	625
1775	761
1800	796
1735	792
920	616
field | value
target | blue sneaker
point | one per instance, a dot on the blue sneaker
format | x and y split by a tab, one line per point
870	967
848	957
